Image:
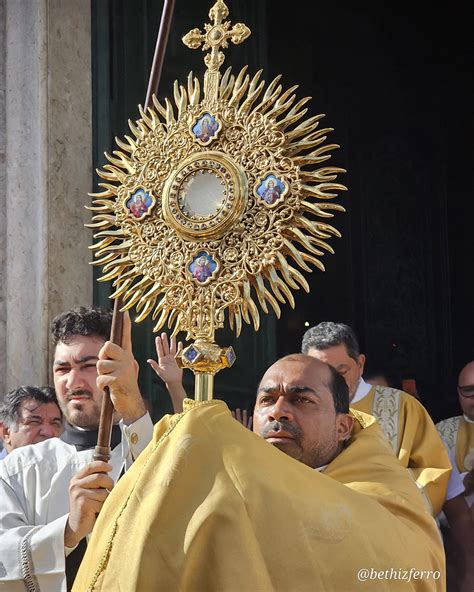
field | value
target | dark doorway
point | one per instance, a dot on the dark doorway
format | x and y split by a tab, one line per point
396	84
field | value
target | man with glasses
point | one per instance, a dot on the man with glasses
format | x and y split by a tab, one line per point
458	432
458	436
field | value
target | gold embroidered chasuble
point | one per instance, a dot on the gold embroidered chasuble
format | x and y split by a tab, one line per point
458	434
413	436
210	506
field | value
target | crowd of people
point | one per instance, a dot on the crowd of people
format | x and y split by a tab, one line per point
51	489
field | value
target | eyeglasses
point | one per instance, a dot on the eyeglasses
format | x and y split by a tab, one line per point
466	391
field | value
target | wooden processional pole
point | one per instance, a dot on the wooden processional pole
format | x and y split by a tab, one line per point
102	450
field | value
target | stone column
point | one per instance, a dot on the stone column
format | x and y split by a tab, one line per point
48	161
3	242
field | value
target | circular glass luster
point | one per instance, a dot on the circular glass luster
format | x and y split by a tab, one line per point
205	196
202	194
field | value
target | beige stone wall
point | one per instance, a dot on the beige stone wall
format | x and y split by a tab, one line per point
3	365
48	159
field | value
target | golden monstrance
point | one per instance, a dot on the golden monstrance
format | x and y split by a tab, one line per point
214	202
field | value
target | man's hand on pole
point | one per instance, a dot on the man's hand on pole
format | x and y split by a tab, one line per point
88	491
118	369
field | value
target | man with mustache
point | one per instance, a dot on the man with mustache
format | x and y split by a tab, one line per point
208	496
79	336
52	492
299	417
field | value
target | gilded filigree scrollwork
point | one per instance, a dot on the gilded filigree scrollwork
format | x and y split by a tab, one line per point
214	203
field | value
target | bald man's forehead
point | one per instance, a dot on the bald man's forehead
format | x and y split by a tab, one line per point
298	369
466	376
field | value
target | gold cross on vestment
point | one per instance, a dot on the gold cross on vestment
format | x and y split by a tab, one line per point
216	36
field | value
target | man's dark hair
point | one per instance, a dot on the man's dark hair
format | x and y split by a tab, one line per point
329	334
90	321
9	410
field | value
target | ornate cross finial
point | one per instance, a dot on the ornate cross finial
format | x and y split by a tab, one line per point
215	37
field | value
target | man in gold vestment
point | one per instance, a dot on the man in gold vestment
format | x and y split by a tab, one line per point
211	507
458	432
405	422
458	435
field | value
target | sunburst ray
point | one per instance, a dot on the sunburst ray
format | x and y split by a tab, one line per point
262	131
